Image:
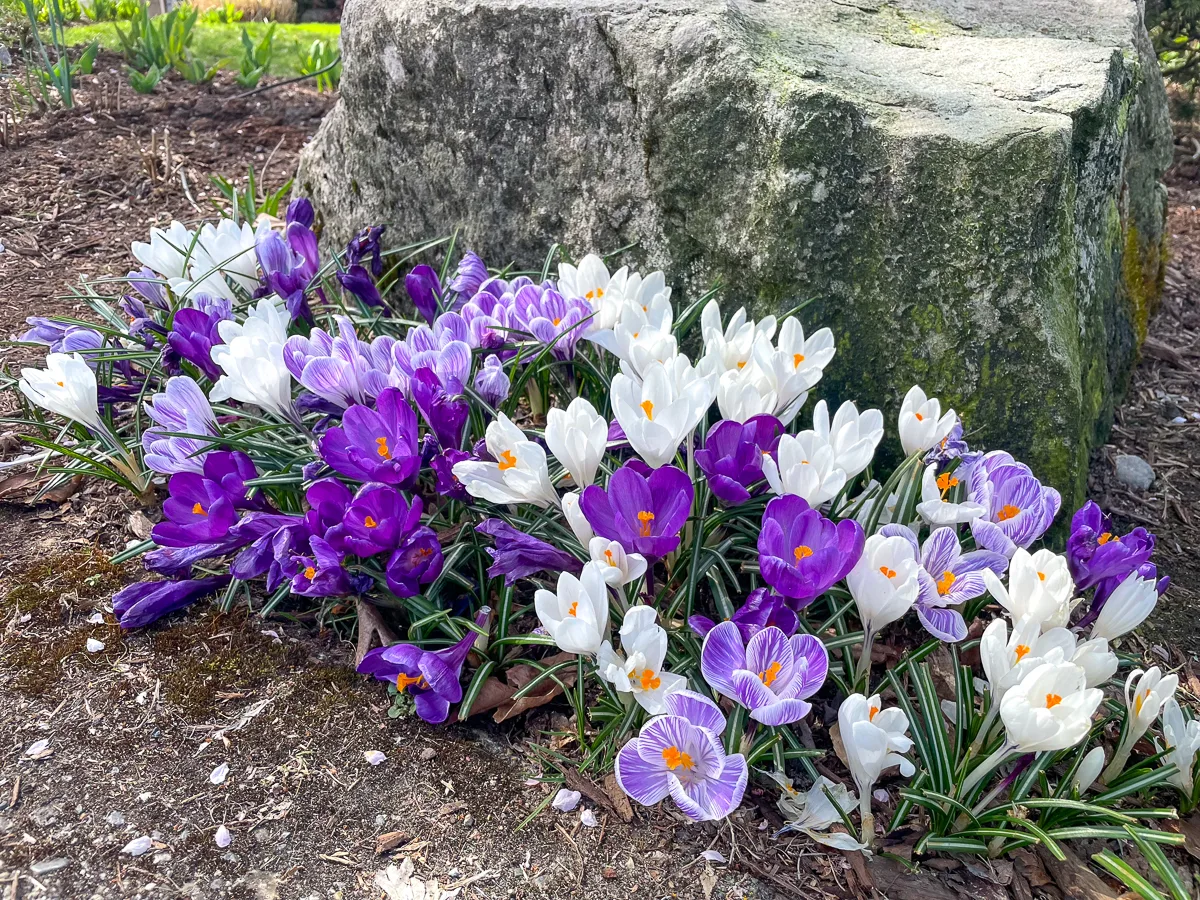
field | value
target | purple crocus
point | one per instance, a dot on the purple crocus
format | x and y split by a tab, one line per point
947	578
417	561
377	444
431	677
377	520
679	755
442	406
197	512
518	554
358	281
1019	508
1106	586
339	369
180	408
643	514
425	291
801	553
491	381
194	333
366	245
63	337
289	262
273	540
142	602
551	318
300	211
442	347
732	456
770	674
470	276
489	319
322	574
327	501
447	483
1096	552
762	609
150	287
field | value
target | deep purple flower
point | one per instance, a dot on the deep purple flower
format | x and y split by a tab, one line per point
142	324
643	514
327	501
491	381
181	408
288	263
417	561
1096	552
425	291
442	407
339	369
1019	508
518	554
470	276
732	456
377	444
770	674
322	574
300	211
447	483
377	520
274	540
430	676
801	553
194	333
950	448
551	318
197	510
680	755
143	602
366	244
762	609
357	281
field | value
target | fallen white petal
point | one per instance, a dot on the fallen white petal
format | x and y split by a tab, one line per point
96	618
37	747
566	800
116	817
588	819
94	646
219	774
714	856
880	795
223	837
138	846
375	757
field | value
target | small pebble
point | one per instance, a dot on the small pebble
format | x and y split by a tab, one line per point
46	866
428	753
115	818
1134	472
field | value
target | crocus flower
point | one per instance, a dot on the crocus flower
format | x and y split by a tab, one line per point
431	677
1018	507
804	465
222	254
1089	770
638	668
300	210
884	582
1050	709
442	407
1145	693
63	337
576	614
747	392
1095	551
151	288
322	573
1182	738
67	387
590	280
922	425
491	381
638	343
470	275
577	436
356	281
852	436
518	554
732	456
732	345
142	602
424	289
489	319
874	739
771	674
619	568
948	578
375	521
951	447
940	501
550	317
417	561
816	811
796	364
762	609
183	408
377	444
167	252
679	755
443	347
575	517
1126	608
658	414
367	245
251	358
1039	585
447	483
194	333
643	514
270	540
519	473
338	369
801	553
288	264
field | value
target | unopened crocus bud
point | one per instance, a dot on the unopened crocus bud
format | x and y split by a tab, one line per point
492	382
425	290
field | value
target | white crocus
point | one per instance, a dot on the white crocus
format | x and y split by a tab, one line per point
67	386
1039	585
618	567
853	436
226	248
638	668
746	392
252	359
1126	608
575	615
1089	770
921	423
796	364
1050	709
590	281
580	526
661	412
577	437
937	506
815	811
806	467
519	473
642	303
874	739
1097	661
884	581
732	345
167	252
1182	738
1145	693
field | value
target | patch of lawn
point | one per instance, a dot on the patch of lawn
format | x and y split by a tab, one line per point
218	41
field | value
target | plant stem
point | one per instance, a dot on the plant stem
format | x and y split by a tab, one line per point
1117	766
981	737
985	768
868	818
863	672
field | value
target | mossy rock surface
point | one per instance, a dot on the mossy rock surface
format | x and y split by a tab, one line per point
968	192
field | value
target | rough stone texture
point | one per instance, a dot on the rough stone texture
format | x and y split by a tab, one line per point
1134	472
967	190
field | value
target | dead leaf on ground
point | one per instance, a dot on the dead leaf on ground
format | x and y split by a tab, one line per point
1026	863
598	795
139	525
1073	877
613	788
370	626
498	695
390	841
1190	829
16	485
64	492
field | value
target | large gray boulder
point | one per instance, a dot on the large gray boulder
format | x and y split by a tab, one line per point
966	189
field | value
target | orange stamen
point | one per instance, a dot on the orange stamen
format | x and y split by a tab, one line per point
675	758
1021	651
802	552
871	713
771	673
649	681
1106	537
648	409
369	522
507	460
573	611
946	582
1052	700
889	573
403	682
198	510
645	517
310	573
381	444
1007	512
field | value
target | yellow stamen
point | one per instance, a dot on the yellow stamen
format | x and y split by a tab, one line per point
599	293
1052	700
645	517
507	460
1021	651
424	552
946	582
310	573
557	322
381	444
369	522
649	681
742	364
771	673
888	573
802	552
60	384
573	611
198	510
1007	512
590	295
674	758
648	409
1139	701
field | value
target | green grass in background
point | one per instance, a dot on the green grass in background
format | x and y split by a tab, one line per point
213	42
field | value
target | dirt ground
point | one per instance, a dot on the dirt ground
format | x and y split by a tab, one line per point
135	730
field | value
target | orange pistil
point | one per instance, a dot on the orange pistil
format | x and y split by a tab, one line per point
557	322
310	573
797	359
770	674
742	364
198	510
648	409
888	573
946	582
674	758
507	460
945	481
871	713
645	517
1021	651
1041	576
1106	537
381	445
920	418
369	522
608	554
573	611
424	553
1007	512
802	552
1052	700
650	682
403	682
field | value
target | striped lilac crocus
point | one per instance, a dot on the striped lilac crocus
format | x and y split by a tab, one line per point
550	317
377	444
1019	508
471	274
643	514
181	407
801	553
430	677
289	262
1096	552
680	755
339	369
731	458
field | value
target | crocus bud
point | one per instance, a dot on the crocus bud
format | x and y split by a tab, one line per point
425	290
